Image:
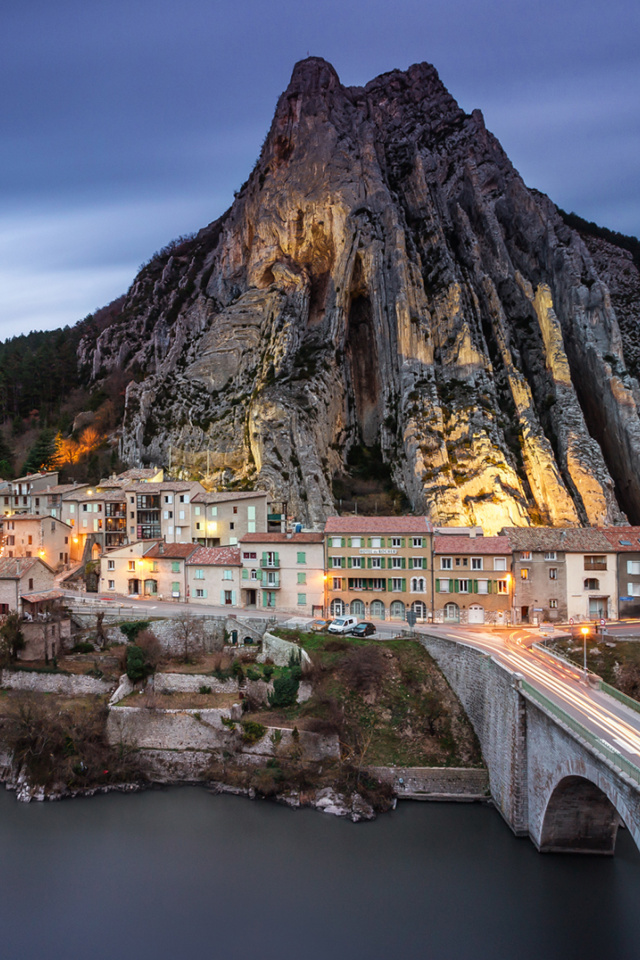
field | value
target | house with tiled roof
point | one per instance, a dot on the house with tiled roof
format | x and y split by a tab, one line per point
379	568
213	576
224	517
284	571
20	576
31	535
562	573
626	542
472	579
155	569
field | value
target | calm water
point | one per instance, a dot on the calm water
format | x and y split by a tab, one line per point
180	874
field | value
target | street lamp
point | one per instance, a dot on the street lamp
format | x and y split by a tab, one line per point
585	633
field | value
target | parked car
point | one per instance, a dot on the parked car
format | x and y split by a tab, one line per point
364	629
319	624
342	624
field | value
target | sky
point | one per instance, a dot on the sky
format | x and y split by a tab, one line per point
128	123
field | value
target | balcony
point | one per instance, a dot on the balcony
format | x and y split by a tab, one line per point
273	564
595	563
271	583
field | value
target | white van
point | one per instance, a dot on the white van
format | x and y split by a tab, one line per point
342	624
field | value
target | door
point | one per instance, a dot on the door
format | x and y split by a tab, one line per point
598	607
524	614
476	613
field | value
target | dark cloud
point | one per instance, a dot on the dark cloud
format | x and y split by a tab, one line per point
129	122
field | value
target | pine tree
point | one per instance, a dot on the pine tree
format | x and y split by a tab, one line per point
43	455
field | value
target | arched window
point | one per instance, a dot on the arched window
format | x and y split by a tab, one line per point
357	608
337	608
418	585
420	609
452	612
376	609
592	584
397	610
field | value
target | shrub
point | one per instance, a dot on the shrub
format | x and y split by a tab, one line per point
285	692
252	731
82	647
137	667
132	629
228	722
253	674
204	689
267	671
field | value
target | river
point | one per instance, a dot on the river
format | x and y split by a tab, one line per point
182	874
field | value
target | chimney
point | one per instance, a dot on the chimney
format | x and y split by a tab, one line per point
161	547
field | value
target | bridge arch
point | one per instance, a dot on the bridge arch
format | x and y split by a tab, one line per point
579	818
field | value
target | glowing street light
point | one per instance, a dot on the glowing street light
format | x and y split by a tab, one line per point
585	633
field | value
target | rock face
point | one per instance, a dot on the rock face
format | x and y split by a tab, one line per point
384	278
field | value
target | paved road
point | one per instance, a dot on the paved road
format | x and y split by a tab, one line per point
612	722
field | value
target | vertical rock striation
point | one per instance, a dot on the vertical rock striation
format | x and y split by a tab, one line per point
385	278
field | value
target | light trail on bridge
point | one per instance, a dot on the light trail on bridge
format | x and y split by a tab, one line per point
614	724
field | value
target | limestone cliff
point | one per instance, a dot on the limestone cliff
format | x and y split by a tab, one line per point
385	278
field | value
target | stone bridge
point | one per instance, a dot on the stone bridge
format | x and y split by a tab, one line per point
547	779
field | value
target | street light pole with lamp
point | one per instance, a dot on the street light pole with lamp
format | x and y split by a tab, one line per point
585	633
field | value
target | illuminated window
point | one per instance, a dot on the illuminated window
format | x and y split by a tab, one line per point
502	586
553	604
525	555
524	573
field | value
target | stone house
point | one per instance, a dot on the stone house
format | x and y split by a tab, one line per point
562	573
626	542
123	571
223	519
379	567
21	576
213	576
47	537
28	494
150	569
284	571
472	579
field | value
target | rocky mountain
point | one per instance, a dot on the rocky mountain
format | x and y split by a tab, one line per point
385	281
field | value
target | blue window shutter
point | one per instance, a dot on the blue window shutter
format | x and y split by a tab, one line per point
204	594
222	596
233	597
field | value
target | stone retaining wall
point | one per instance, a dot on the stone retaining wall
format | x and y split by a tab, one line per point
435	783
69	684
278	651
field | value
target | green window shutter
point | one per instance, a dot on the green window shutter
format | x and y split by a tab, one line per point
233	597
457	587
404	562
343	562
175	587
437	585
264	560
451	583
382	563
348	541
343	541
276	557
302	578
245	573
204	594
349	561
475	586
490	586
368	541
265	598
410	563
389	584
175	566
404	585
258	574
369	563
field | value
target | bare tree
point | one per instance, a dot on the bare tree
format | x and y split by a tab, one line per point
190	635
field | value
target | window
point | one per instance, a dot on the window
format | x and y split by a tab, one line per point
376	542
337	583
502	586
483	586
357	583
418	563
396	563
356	562
181	515
167	499
30	584
336	562
235	509
463	586
633	589
154	566
396	542
553	573
377	584
72	508
302	578
445	563
416	542
462	561
476	563
175	589
232	526
175	566
396	584
112	584
376	563
418	585
442	586
199	593
525	555
228	574
553	604
199	574
196	511
595	563
111	564
550	555
356	542
524	573
302	557
633	567
592	584
336	541
249	556
214	511
499	563
253	575
302	599
132	566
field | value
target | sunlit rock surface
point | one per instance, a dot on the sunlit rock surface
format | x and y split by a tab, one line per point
385	278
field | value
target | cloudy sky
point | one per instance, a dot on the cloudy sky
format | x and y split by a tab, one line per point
129	122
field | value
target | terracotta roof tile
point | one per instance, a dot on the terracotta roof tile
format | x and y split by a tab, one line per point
222	496
215	556
623	539
171	551
565	539
472	545
377	525
13	568
282	538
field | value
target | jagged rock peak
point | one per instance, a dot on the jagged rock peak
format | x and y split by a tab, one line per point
386	290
